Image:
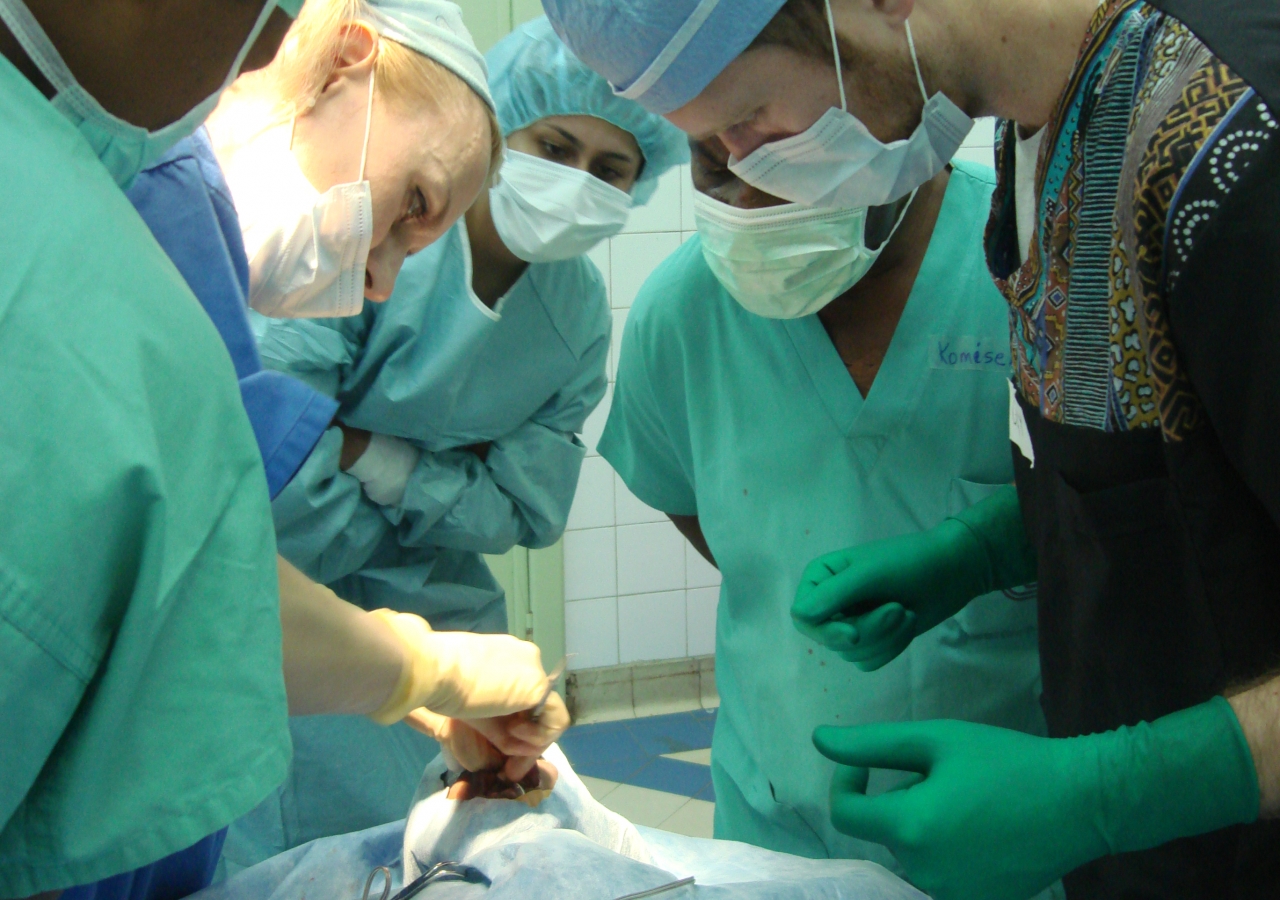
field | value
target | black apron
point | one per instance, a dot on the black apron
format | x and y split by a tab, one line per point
1159	573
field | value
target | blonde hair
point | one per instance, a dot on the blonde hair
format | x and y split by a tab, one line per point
316	41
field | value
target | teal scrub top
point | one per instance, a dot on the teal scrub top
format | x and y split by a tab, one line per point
436	368
433	366
141	688
755	426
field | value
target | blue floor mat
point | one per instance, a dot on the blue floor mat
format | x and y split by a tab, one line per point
630	752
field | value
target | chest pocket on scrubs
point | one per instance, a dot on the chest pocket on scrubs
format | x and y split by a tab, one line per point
1002	612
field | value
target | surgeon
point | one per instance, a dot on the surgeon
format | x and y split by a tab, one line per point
141	689
460	400
363	142
794	380
142	647
1131	234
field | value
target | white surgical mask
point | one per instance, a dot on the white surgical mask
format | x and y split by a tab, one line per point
124	148
544	211
307	250
837	162
784	262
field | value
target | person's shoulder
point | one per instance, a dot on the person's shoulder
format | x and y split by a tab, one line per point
681	293
575	297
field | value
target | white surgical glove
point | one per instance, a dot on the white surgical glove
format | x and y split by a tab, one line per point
461	675
384	468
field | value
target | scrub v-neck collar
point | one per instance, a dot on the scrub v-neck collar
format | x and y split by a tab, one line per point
895	390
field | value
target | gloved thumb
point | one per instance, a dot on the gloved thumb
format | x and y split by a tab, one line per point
904	746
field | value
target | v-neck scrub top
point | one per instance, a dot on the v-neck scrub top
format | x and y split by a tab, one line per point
755	426
142	702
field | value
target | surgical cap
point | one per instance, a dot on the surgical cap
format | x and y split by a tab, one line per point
536	76
661	53
433	28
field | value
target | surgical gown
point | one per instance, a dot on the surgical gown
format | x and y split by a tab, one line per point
755	426
141	688
435	367
186	203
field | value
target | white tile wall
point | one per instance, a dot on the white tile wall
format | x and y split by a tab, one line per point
634	588
651	626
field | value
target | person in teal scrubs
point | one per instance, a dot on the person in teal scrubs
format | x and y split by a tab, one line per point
770	438
463	395
141	693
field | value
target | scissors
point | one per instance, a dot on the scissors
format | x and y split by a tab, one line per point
552	677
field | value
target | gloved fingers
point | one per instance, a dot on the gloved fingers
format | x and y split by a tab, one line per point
473	751
547	728
848	593
873	652
498	729
904	746
834	634
878	819
516	767
822	568
850	779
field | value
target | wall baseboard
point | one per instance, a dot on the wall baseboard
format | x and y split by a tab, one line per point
642	689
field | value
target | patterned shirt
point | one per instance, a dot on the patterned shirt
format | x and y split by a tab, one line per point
1146	105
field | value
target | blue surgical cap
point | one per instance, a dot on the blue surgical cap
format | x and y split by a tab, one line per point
533	75
433	28
660	53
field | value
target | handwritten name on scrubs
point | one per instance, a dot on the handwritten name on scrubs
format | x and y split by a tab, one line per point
968	352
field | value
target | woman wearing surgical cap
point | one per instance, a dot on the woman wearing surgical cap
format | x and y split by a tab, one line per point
363	142
337	657
460	400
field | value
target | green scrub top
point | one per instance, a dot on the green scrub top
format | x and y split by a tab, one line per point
141	689
755	426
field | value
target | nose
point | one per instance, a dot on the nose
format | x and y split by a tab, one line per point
742	140
381	270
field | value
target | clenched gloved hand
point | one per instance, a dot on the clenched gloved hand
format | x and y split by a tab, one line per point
867	603
509	744
461	675
1000	815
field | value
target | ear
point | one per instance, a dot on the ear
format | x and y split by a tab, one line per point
356	55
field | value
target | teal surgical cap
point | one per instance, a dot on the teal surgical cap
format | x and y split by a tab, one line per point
534	75
292	7
660	53
433	28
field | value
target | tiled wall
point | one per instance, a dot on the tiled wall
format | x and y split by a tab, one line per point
634	589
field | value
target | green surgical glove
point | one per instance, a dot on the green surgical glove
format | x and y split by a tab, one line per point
1000	815
867	603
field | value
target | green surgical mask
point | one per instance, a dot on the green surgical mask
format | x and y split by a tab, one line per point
124	148
789	261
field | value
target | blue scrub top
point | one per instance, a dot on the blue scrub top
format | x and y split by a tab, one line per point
187	205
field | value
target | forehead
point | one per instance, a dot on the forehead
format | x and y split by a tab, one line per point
754	79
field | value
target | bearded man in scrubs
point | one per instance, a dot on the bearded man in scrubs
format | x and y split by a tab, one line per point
1132	235
777	403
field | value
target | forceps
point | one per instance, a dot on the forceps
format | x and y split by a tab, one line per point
443	871
552	677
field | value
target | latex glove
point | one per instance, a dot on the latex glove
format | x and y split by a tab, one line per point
869	602
1000	815
512	743
459	674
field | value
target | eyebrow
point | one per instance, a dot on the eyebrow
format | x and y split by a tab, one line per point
568	136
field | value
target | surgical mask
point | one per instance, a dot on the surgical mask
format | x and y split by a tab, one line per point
789	261
124	148
837	162
544	211
307	251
